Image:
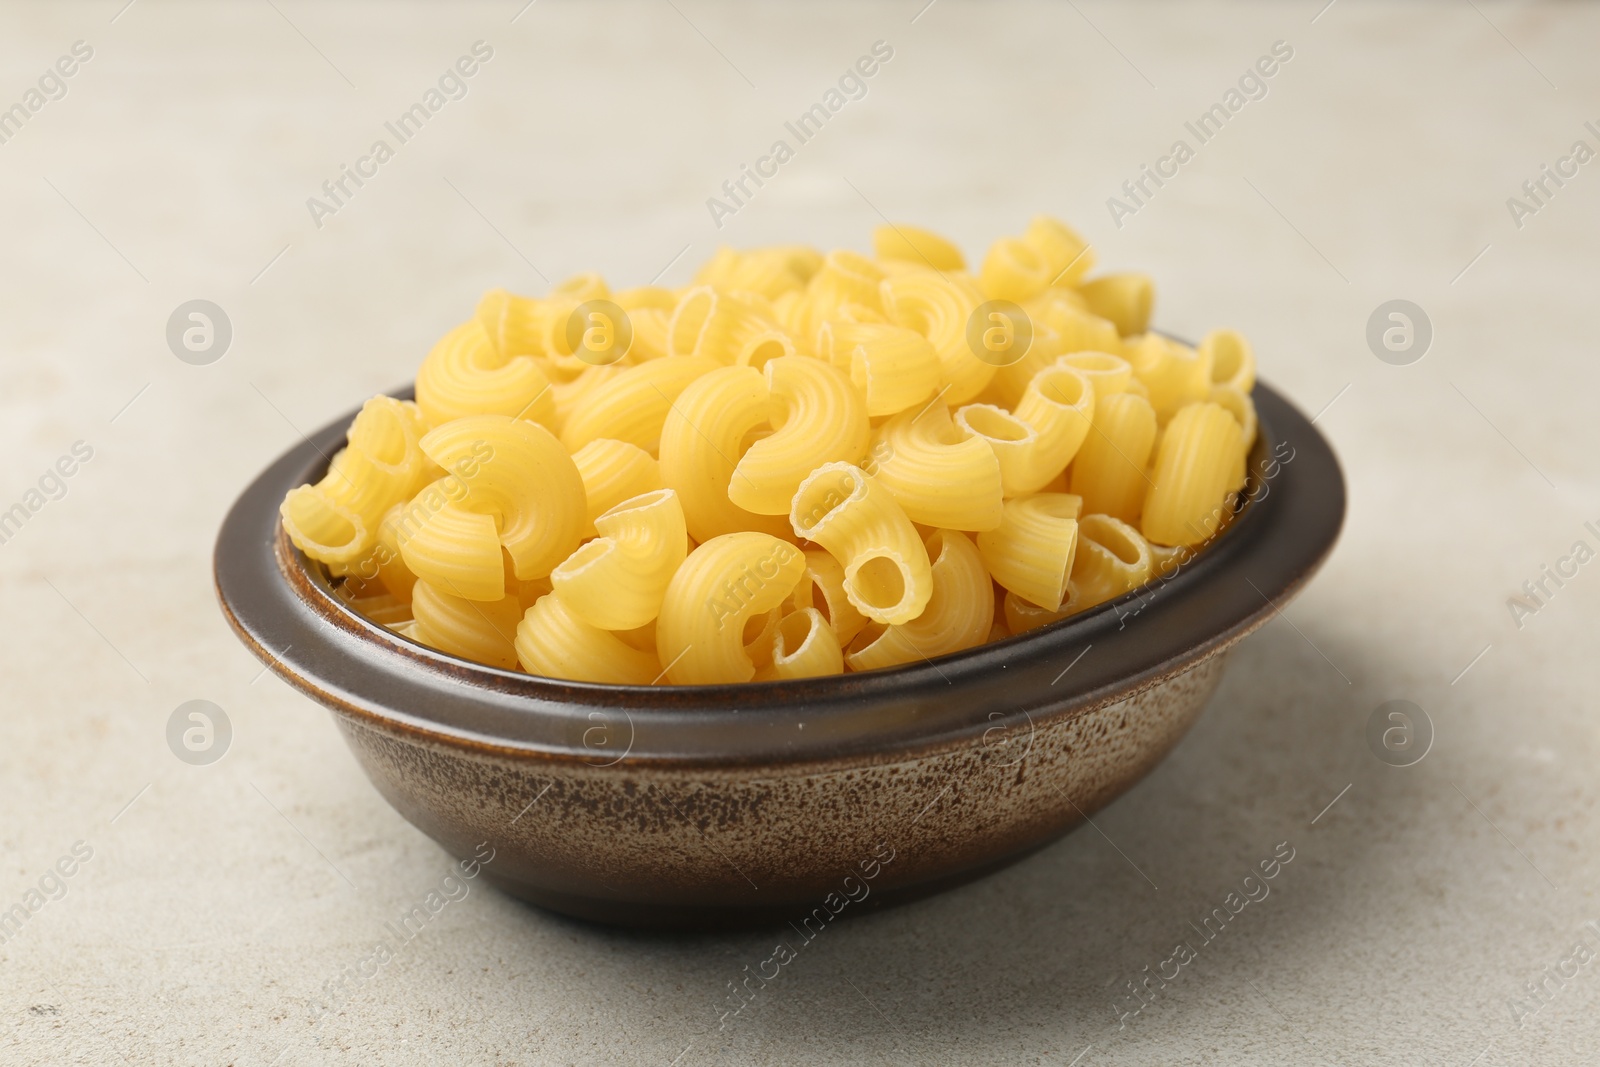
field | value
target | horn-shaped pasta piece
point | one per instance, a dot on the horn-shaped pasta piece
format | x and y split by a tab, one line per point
701	442
893	367
634	403
617	580
767	272
818	418
465	375
1021	615
522	477
821	586
1243	410
1055	411
1014	270
1109	472
613	471
724	585
455	549
480	630
915	245
1112	558
1194	464
959	614
1174	373
803	646
1107	373
843	278
554	642
1125	299
886	571
715	324
939	306
1031	551
939	474
1066	255
1233	361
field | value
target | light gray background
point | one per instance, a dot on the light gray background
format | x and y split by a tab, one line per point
219	903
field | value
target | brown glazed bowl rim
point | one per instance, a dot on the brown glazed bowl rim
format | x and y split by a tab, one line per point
286	613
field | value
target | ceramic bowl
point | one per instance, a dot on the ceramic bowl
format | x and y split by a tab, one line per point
734	805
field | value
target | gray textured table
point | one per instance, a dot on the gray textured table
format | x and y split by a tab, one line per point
1430	912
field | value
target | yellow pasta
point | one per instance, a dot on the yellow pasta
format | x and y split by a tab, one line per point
1186	504
1031	552
481	630
1035	443
617	580
464	375
1067	256
1109	471
802	646
915	245
716	324
725	584
1112	559
939	307
552	641
1174	373
887	575
634	404
893	367
821	586
524	479
613	471
818	418
938	474
958	615
1125	299
1014	270
796	466
701	444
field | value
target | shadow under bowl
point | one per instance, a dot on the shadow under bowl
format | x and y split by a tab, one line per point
738	805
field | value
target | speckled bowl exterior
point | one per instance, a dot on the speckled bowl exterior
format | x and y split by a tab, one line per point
722	806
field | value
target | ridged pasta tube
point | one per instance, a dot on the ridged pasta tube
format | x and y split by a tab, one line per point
701	442
716	324
1112	558
938	306
453	548
818	418
634	404
1013	270
959	614
528	483
1054	415
1109	472
723	585
1031	551
1174	373
1191	474
617	580
465	375
1125	299
913	244
821	586
887	575
844	277
803	646
938	474
1066	255
895	368
1106	372
1232	360
613	471
479	630
553	642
